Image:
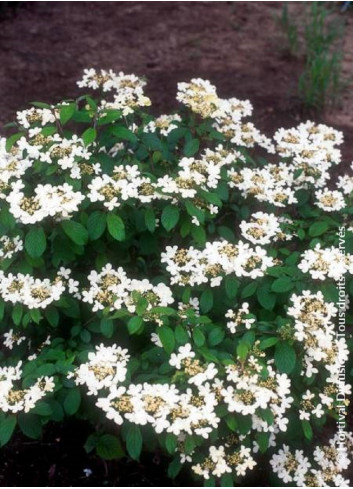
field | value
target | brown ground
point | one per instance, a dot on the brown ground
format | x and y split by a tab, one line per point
239	46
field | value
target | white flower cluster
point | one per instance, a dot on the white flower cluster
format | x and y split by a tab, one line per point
10	246
13	399
225	459
193	175
113	289
240	317
330	200
66	153
345	183
271	183
312	149
35	115
311	144
58	202
262	229
161	405
104	369
164	124
13	165
325	470
315	329
248	390
206	171
189	266
125	183
251	388
127	90
310	407
12	339
323	263
33	292
201	97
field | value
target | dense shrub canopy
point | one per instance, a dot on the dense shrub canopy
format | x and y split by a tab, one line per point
175	281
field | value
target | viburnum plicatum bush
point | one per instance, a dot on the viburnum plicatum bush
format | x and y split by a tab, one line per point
173	281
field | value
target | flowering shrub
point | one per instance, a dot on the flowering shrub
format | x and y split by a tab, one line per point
174	281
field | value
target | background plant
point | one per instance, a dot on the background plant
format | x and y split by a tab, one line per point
321	83
163	280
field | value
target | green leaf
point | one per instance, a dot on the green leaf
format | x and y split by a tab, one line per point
30	425
52	316
96	224
198	337
35	242
66	112
268	342
206	300
16	314
11	140
134	324
263	440
318	228
191	147
249	289
189	445
181	335
7	427
89	136
227	480
109	447
91	442
42	408
282	284
150	220
210	197
232	286
116	227
210	482
301	234
267	415
171	443
35	315
199	234
192	210
75	231
41	105
174	467
166	335
216	336
134	441
231	422
72	401
123	133
307	429
285	357
226	233
111	116
107	327
265	298
170	217
244	424
242	350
